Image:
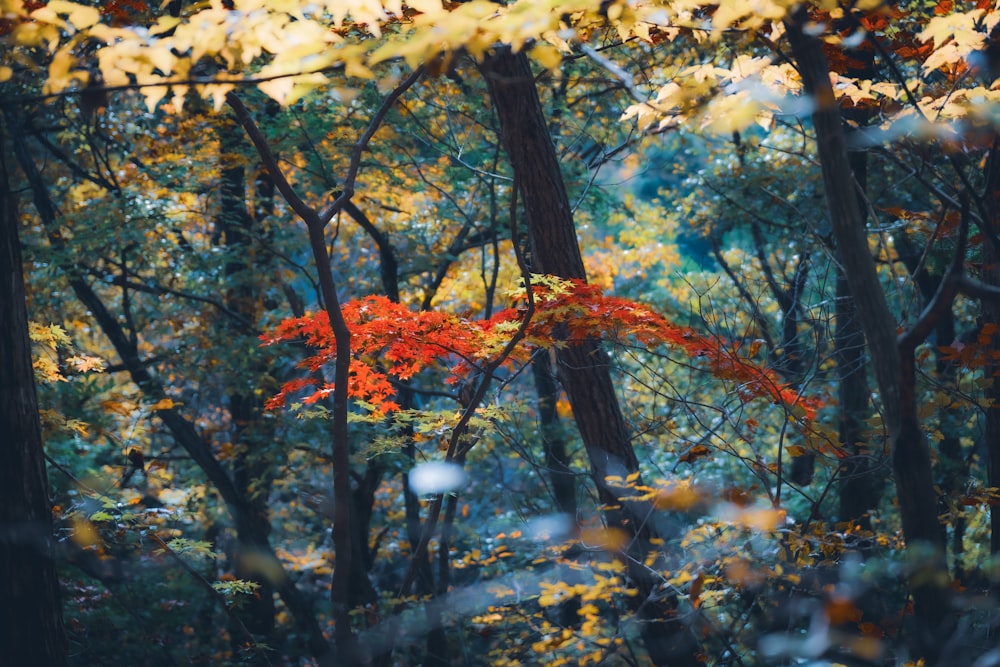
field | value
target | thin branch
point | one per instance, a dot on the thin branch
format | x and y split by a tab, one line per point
159	290
456	452
260	142
623	77
979	290
259	651
942	300
355	165
762	325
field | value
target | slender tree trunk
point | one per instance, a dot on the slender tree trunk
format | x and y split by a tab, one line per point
346	567
31	627
584	368
859	486
250	431
953	467
553	437
859	492
894	368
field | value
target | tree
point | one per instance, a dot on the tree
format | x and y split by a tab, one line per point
32	627
582	367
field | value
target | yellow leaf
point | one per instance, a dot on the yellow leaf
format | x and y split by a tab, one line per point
37	34
84	533
547	56
78	16
163	404
732	113
153	95
941	28
425	6
5	73
609	539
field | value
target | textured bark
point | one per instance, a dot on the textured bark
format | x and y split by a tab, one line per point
31	628
894	367
584	368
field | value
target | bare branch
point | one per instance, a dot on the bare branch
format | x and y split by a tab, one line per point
376	122
949	287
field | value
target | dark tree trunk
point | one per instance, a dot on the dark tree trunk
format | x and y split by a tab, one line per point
584	368
991	315
31	628
250	431
347	570
859	490
553	437
953	466
892	362
860	485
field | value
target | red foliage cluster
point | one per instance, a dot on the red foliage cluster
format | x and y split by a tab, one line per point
123	12
388	339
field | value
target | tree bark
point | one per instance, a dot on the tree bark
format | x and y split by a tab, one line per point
583	368
31	627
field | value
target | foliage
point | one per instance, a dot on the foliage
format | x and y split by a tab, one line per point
170	249
390	340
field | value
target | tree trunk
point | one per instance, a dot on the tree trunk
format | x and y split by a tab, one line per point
584	368
953	467
250	431
894	368
31	627
553	437
860	489
859	492
991	315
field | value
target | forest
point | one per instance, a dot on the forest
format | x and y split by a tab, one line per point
499	332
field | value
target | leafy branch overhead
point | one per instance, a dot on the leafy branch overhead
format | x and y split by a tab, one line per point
287	49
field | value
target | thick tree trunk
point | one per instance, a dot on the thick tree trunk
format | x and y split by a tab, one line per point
584	368
894	368
990	274
31	628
